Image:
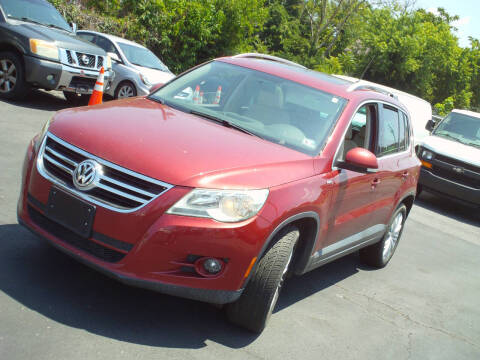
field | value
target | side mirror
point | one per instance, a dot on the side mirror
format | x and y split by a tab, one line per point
430	125
114	57
156	87
360	160
74	27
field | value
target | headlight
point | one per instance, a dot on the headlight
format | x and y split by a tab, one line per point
427	155
221	205
109	62
44	49
42	135
145	80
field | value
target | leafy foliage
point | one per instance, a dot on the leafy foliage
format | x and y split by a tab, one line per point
385	41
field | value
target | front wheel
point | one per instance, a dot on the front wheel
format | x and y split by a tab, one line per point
125	89
12	76
254	308
379	254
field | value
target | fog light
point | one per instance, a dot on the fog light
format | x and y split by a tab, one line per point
212	266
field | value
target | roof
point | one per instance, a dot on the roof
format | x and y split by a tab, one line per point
112	38
299	74
467	112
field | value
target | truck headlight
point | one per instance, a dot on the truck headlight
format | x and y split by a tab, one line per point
44	49
145	80
427	155
221	205
109	62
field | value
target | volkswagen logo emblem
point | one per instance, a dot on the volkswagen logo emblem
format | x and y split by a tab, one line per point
86	174
85	59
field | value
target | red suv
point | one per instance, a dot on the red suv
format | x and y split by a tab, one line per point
224	181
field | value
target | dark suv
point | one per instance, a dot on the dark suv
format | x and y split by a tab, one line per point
39	49
224	181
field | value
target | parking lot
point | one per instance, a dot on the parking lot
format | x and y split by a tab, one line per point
424	305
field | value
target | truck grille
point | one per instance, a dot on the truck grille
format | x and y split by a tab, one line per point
466	174
77	59
116	188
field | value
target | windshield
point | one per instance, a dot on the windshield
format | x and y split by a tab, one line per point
459	127
142	57
275	109
38	11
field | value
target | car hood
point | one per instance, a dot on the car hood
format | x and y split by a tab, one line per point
155	76
62	39
453	149
179	148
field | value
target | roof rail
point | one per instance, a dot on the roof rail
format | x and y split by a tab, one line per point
269	57
360	86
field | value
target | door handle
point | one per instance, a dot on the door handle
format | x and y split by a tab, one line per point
405	175
375	182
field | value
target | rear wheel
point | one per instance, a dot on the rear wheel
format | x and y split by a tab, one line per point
12	76
254	308
379	254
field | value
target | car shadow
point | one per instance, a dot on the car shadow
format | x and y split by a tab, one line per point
56	286
445	206
41	100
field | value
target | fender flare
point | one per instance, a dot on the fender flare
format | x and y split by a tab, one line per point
307	249
401	200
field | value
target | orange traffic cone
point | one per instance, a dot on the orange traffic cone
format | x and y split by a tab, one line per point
201	98
97	94
196	94
218	96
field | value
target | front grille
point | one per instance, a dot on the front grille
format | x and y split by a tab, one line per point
100	62
57	230
116	187
443	167
69	57
456	162
90	59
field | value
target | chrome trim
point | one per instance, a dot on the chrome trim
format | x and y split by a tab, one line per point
76	63
60	156
43	172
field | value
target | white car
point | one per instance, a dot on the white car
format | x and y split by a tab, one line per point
136	68
450	157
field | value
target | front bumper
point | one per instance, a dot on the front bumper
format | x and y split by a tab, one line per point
148	248
438	184
51	75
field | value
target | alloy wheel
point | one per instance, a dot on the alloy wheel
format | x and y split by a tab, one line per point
126	91
392	237
8	75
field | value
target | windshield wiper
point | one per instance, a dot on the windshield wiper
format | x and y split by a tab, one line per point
57	27
224	122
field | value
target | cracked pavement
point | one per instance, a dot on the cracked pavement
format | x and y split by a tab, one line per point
424	305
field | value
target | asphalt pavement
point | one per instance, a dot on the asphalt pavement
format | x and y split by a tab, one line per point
424	305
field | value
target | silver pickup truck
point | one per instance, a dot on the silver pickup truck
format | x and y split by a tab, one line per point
39	49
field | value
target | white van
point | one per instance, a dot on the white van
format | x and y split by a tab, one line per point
450	157
420	110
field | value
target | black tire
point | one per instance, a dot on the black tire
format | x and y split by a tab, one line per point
253	309
419	190
376	255
12	72
76	99
124	84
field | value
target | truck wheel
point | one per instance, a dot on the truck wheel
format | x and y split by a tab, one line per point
76	99
125	89
12	76
253	309
378	255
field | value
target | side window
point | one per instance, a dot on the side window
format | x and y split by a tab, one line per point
389	131
360	130
105	44
407	130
